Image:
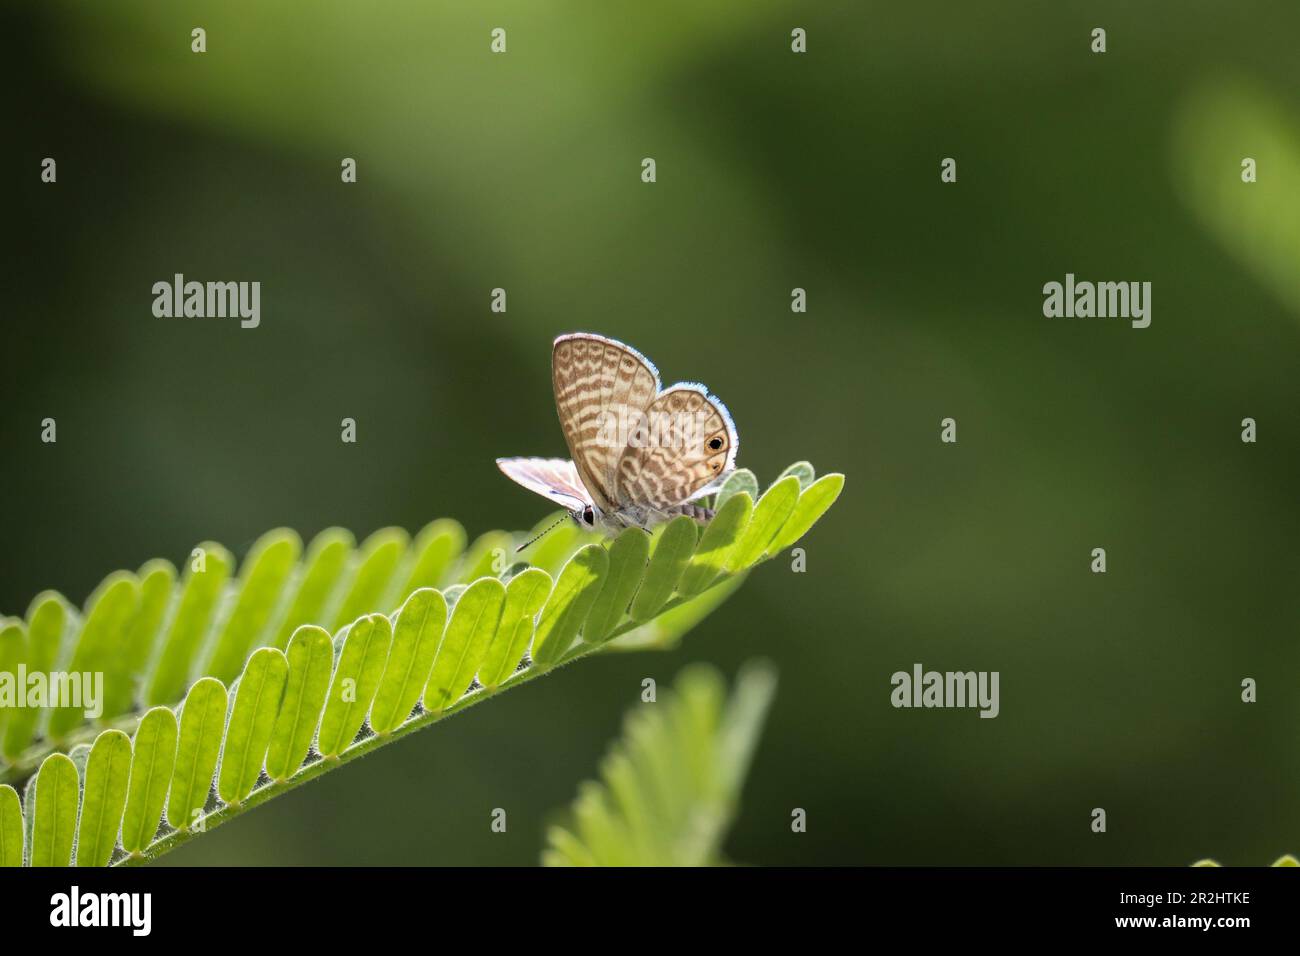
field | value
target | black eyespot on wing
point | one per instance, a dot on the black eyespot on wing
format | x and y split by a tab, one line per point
715	443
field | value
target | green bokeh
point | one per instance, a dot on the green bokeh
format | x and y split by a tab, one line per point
774	171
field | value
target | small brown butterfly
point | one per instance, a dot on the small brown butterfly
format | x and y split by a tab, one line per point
642	454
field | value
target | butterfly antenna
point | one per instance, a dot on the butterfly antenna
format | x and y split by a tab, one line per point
533	540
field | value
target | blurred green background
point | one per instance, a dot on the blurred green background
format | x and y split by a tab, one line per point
775	170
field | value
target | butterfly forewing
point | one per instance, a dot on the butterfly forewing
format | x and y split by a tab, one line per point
599	385
553	478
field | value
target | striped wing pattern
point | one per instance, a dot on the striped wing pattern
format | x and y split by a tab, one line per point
695	442
594	377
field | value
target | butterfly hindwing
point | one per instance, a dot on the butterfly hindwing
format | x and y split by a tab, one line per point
691	442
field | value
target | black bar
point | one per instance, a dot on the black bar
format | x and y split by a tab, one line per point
339	906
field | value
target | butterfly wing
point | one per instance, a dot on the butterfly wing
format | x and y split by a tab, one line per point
691	442
553	478
600	384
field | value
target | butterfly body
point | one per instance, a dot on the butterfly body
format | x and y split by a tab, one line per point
640	516
642	454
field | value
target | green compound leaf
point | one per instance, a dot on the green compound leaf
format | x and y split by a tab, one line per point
676	544
742	721
53	796
802	470
436	548
417	633
314	592
45	627
560	538
670	786
152	761
208	570
669	626
13	652
55	819
203	722
525	595
327	558
627	564
361	664
469	633
265	571
770	515
311	662
380	556
1286	860
108	770
252	718
98	652
719	537
740	480
488	556
29	814
572	599
814	501
152	632
11	827
157	581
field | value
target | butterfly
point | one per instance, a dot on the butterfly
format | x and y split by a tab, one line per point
642	454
